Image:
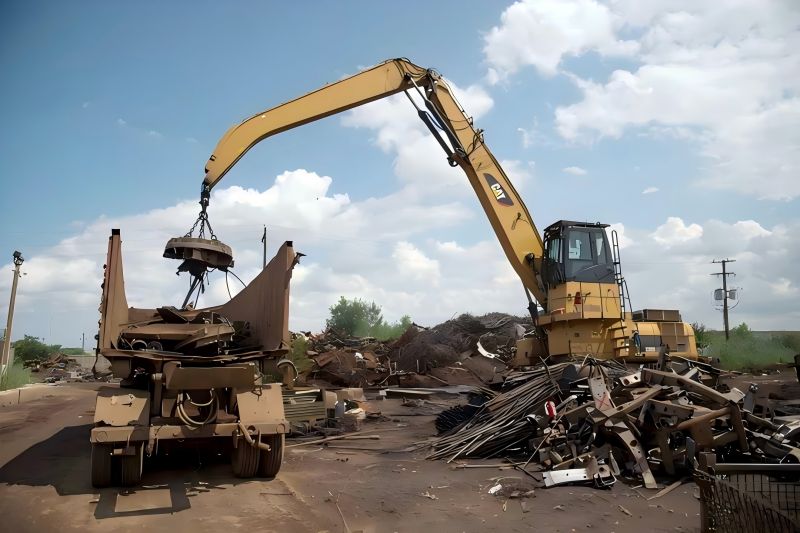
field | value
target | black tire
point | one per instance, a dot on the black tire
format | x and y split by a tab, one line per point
244	459
270	461
132	466
101	465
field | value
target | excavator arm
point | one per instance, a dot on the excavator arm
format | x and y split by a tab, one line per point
447	121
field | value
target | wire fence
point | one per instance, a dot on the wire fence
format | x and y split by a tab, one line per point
750	498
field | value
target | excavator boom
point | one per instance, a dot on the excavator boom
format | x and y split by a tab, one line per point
447	121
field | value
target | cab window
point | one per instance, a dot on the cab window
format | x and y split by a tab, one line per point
579	252
579	246
600	249
554	250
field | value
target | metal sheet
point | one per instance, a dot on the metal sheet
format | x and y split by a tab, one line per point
262	406
264	303
241	376
122	407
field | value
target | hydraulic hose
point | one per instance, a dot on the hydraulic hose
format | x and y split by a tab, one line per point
212	404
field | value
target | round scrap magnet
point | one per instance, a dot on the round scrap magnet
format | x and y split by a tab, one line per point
199	254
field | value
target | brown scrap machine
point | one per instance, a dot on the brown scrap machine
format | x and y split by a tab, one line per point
194	374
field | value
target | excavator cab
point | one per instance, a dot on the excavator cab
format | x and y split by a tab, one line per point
577	251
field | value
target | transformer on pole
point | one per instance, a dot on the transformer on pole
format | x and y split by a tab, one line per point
724	294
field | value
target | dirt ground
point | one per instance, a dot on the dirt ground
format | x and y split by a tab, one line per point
347	486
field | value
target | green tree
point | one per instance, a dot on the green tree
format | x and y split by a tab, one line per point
360	318
742	331
388	331
354	317
790	339
701	335
30	348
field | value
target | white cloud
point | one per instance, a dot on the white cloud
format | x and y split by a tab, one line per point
86	104
449	247
518	172
121	122
360	248
533	136
623	239
155	134
412	263
575	171
678	276
527	137
541	32
760	145
419	161
721	76
674	231
384	249
650	190
750	228
784	287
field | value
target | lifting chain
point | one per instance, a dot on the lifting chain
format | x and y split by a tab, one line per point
202	220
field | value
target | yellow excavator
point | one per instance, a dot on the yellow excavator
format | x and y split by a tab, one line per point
571	274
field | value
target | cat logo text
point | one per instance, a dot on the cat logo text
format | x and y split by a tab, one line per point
499	193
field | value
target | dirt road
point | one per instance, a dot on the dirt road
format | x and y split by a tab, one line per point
348	486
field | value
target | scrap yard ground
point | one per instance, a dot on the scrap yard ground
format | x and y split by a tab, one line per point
361	485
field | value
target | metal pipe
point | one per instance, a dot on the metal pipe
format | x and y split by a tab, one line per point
246	434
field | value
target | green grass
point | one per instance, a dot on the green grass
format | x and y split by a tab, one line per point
14	377
298	355
746	349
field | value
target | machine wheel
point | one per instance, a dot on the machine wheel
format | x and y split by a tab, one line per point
101	465
132	466
270	462
244	459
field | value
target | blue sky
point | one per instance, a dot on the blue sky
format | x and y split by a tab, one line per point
111	110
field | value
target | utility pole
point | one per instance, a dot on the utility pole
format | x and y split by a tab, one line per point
264	242
5	357
724	275
83	342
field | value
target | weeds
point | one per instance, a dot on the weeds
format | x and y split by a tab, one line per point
298	355
748	349
14	377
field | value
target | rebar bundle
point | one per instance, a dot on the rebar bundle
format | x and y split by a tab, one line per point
502	422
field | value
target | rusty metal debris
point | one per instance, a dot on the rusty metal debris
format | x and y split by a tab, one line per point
61	367
591	421
466	350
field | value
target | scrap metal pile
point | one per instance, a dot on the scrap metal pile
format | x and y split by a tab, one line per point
58	367
464	350
346	361
594	421
493	336
186	331
56	360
